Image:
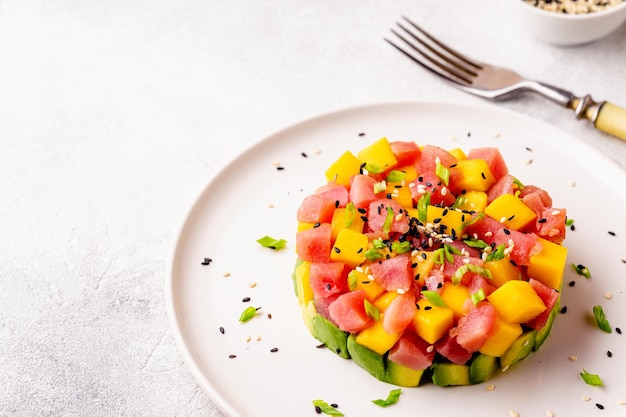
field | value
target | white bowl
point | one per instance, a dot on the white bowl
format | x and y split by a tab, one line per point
565	29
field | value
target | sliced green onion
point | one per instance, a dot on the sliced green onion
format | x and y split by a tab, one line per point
591	379
373	254
569	222
373	168
392	398
497	254
271	243
248	314
422	206
460	201
378	243
327	409
458	274
371	310
395	176
350	212
518	184
452	249
478	296
442	172
602	322
380	186
475	243
434	298
439	256
474	219
352	280
581	270
388	220
401	247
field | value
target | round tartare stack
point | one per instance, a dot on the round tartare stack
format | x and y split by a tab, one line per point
423	264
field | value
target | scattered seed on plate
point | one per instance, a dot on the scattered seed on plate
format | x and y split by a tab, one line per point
270	205
245	299
280	168
572	358
608	295
496	135
618	330
248	338
586	399
273	350
304	155
258	337
226	274
222	331
269	316
529	149
252	285
549	413
572	184
207	261
600	406
612	233
528	161
361	134
490	387
231	356
609	353
514	413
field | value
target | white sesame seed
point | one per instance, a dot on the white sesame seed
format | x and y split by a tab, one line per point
276	164
411	185
487	234
528	161
270	205
506	368
414	253
401	291
258	337
252	285
248	338
453	138
572	358
608	295
490	387
572	184
622	402
549	413
359	269
430	348
365	172
444	191
466	260
554	232
437	160
371	277
585	398
226	274
514	413
317	152
495	135
399	216
502	219
556	212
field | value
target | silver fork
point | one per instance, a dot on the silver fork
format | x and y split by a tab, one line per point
494	83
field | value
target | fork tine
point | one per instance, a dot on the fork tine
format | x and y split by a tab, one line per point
446	48
429	63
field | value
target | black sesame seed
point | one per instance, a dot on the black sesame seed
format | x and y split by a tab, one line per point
572	283
274	350
542	220
482	174
318	410
563	309
328	287
337	250
232	356
609	353
511	218
506	231
245	299
360	250
206	261
337	202
572	228
304	154
338	351
527	148
600	406
280	168
513	262
427	308
414	265
424	256
361	210
611	233
440	285
364	218
318	224
320	346
222	331
618	330
361	134
429	184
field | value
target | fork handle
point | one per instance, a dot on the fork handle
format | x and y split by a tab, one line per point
611	119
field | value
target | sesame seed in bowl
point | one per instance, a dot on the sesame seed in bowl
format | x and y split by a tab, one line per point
566	22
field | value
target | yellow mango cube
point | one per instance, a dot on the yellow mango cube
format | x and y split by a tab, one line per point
303	283
451	219
503	336
379	155
517	302
548	265
458	153
344	168
344	218
385	299
400	193
455	297
349	248
360	281
474	201
422	262
409	172
473	175
305	226
432	322
502	271
510	211
376	338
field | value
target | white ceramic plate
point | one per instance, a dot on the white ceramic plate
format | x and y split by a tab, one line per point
251	197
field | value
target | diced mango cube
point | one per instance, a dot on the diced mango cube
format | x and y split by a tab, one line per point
474	201
376	338
422	262
305	226
344	168
432	322
517	302
455	297
458	153
502	271
409	172
303	283
548	265
400	193
344	218
510	211
503	336
360	281
472	175
452	220
385	299
379	155
349	248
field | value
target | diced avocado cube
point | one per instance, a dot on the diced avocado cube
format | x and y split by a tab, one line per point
372	362
544	332
331	336
481	368
520	349
510	211
445	374
401	375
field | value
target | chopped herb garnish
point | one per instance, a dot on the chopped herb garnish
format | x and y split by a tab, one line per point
459	202
325	408
378	244
392	398
388	220
591	379
371	310
602	322
352	280
395	176
422	207
569	222
458	274
497	254
373	168
350	212
380	186
442	172
475	243
434	298
474	219
271	243
478	296
581	270
518	184
373	254
401	247
248	314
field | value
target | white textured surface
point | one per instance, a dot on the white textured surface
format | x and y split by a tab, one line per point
113	116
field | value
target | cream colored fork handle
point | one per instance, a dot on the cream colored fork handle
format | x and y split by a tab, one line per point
611	119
